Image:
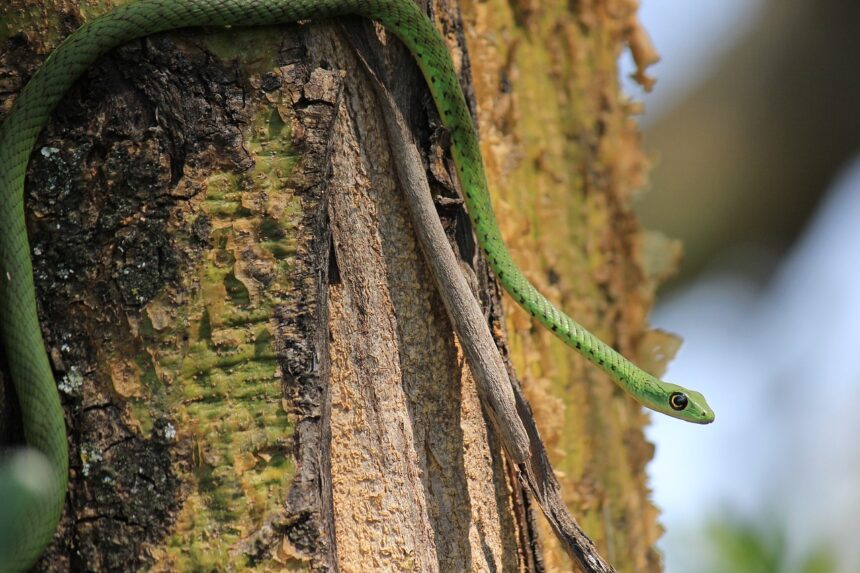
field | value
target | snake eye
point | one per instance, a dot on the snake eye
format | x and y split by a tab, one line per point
678	401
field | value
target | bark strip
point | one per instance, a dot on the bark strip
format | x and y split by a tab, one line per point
494	385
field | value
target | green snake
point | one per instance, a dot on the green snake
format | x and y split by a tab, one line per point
27	525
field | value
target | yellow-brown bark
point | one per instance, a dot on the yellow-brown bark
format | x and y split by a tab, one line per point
563	158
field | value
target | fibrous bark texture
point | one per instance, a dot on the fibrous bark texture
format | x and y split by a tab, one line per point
563	158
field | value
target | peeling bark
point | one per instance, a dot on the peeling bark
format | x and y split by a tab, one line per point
563	159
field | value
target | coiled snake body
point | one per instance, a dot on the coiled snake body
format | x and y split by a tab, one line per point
37	510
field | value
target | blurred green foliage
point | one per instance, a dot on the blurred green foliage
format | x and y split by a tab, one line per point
748	547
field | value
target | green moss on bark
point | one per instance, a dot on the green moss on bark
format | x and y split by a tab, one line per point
213	361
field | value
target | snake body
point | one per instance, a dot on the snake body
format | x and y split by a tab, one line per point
26	530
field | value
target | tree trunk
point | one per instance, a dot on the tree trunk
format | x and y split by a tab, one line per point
751	150
256	370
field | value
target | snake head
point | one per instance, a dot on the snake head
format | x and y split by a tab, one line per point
684	404
673	400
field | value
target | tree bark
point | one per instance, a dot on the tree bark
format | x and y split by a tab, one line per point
256	370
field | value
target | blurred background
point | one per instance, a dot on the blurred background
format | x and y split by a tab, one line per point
754	124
